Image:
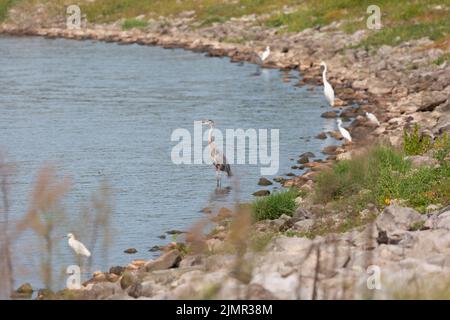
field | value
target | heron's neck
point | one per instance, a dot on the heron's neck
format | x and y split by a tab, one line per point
324	74
211	128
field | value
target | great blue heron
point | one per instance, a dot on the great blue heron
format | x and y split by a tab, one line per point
218	158
327	88
343	131
372	118
77	246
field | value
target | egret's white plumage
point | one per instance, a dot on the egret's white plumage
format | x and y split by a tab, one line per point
77	246
344	132
327	88
265	54
372	118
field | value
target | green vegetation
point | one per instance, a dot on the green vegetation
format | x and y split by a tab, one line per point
442	59
206	11
260	240
4	7
415	143
383	174
398	34
401	20
134	23
274	205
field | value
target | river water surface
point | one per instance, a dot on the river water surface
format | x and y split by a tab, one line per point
103	111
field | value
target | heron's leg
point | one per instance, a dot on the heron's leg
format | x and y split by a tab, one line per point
217	178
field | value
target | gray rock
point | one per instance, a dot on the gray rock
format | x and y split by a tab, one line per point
301	214
118	270
330	150
168	260
191	260
261	193
135	290
303	160
419	161
432	100
128	279
307	154
443	221
321	136
329	114
395	218
264	182
304	225
103	290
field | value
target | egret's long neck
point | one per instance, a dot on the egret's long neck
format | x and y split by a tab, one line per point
324	74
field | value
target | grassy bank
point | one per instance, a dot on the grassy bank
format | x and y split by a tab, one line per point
5	5
384	175
401	20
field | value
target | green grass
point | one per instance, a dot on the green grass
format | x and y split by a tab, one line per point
4	7
380	175
274	205
442	59
401	20
259	241
134	23
401	33
415	143
206	11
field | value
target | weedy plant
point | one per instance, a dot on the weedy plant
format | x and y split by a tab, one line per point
274	205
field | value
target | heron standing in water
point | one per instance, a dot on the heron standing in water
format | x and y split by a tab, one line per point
218	158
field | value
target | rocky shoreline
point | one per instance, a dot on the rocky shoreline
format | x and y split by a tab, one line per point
400	85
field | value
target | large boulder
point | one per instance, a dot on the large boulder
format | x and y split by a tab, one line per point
168	260
395	218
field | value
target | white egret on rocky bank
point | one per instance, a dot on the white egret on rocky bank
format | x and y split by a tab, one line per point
265	54
372	118
218	158
344	132
327	88
77	246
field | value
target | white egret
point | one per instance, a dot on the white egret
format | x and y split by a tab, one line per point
344	132
265	54
77	246
218	158
372	118
327	88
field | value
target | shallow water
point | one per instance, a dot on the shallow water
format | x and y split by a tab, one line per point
106	111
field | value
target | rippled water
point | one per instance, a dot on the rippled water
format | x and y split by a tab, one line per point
106	111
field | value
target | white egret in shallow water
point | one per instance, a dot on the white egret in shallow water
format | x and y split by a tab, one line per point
372	118
77	246
218	158
344	131
327	88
